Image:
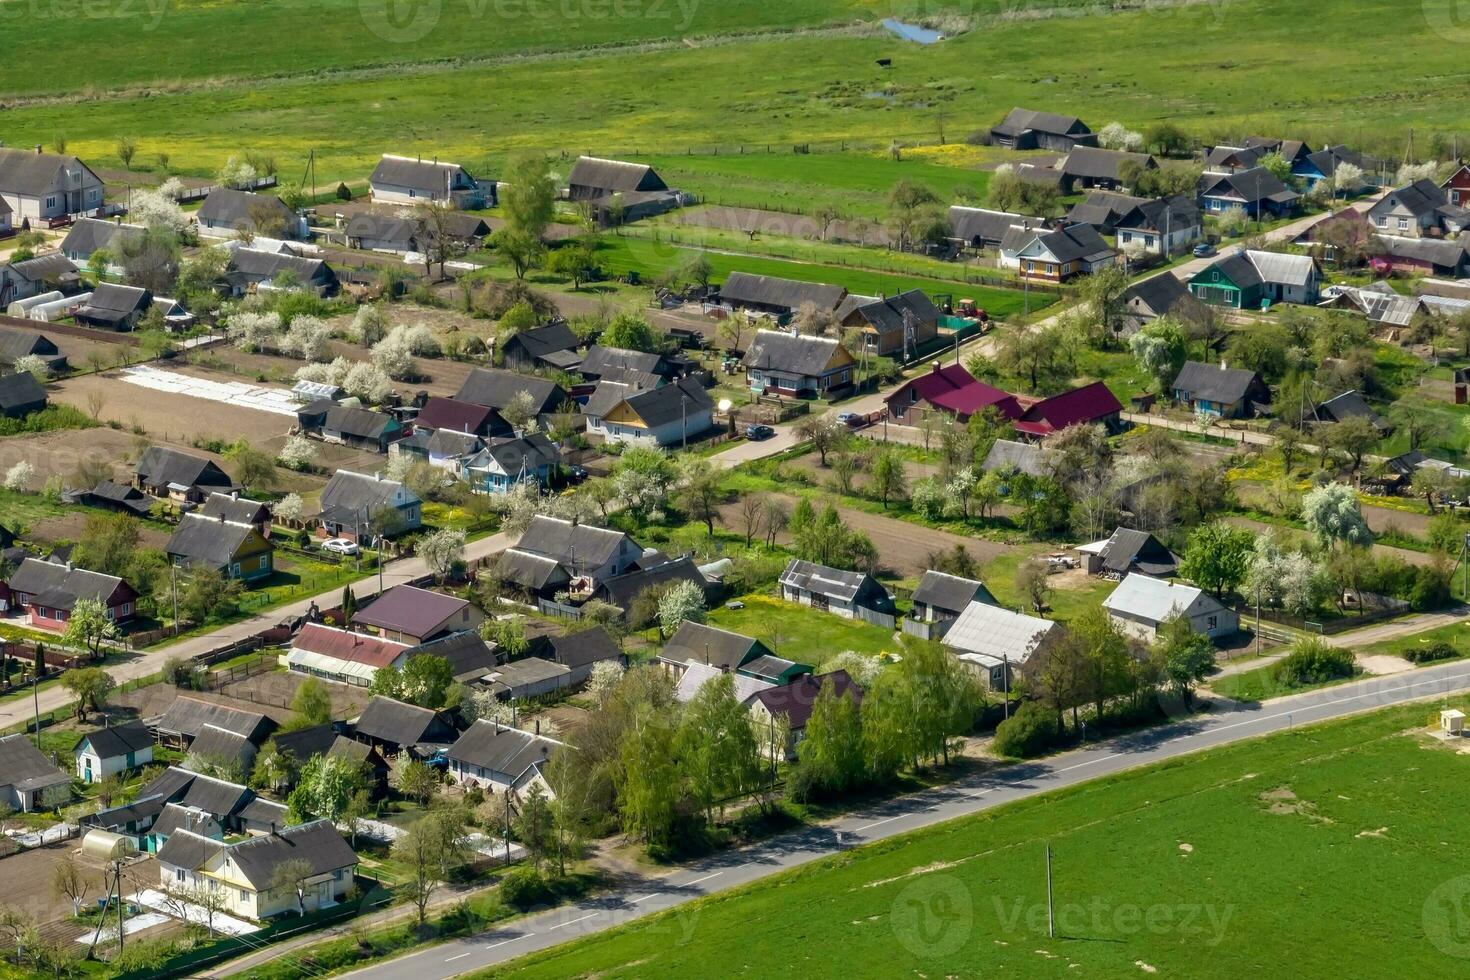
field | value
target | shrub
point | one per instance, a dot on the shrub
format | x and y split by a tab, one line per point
1439	650
1030	731
524	888
1312	661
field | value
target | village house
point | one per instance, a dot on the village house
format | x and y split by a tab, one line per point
240	510
1258	192
529	677
411	180
981	228
495	388
227	213
463	417
1314	168
253	270
409	614
179	799
1148	299
28	780
170	474
52	273
112	750
394	233
41	187
344	656
48	592
1161	226
1420	210
20	395
1343	406
696	675
186	717
113	306
1102	210
107	495
892	326
1251	280
779	298
640	368
654	571
393	727
580	651
797	365
1092	404
442	448
1090	166
553	551
1444	257
1457	187
852	595
1220	390
501	759
791	705
358	428
331	740
501	464
1027	129
996	642
666	416
950	390
1056	256
939	600
1141	605
1225	159
1292	151
550	347
7	221
1127	551
1009	458
246	873
616	191
709	646
218	750
358	507
235	550
89	235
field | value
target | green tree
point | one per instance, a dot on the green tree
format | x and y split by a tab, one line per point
1331	513
89	628
1218	556
325	788
528	200
701	490
424	680
312	704
253	468
628	331
533	825
414	779
1188	657
719	757
889	478
647	778
1356	436
521	250
107	544
207	594
830	755
90	686
1160	349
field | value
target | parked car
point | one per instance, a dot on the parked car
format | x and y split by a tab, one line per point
1204	250
340	546
576	474
757	431
851	419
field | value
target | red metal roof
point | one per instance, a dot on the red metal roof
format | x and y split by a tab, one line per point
1090	403
358	648
796	700
457	416
955	389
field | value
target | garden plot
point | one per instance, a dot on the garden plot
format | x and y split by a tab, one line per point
278	401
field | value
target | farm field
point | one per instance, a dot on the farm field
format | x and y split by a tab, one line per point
1248	859
797	89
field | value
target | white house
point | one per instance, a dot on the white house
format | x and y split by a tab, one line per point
665	416
109	751
500	758
343	655
28	780
409	180
994	642
40	186
247	874
1055	256
1159	225
1141	604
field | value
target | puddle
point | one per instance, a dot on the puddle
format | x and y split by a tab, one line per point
913	32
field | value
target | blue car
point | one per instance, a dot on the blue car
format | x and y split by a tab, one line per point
1204	250
756	432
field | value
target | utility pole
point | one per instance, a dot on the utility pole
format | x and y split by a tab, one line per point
1051	930
173	584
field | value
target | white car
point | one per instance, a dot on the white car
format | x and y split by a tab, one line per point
340	546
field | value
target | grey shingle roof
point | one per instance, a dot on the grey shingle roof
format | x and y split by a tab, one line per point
360	423
1156	295
317	843
614	176
239	209
254	264
402	724
661	405
563	541
945	591
431	177
745	289
218	745
87	235
163	467
20	391
983	225
620	590
495	388
17	343
186	849
491	745
188	716
512	455
358	493
1098	164
541	341
119	740
1019	120
582	647
241	510
44	268
23	766
470	656
112	302
793	353
600	361
208	541
887	313
30	173
1210	382
397	232
1251	186
997	634
1129	550
56	586
1155	600
1009	456
703	644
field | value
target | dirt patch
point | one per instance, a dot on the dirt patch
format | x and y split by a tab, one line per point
170	417
269	694
60	453
1380	664
69	527
439	376
1282	802
748	220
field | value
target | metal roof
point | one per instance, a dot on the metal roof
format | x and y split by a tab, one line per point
996	632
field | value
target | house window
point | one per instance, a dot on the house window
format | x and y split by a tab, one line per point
244	895
92	195
1403	224
235	570
51	202
1210	623
178	874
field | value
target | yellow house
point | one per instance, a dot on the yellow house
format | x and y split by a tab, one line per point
301	868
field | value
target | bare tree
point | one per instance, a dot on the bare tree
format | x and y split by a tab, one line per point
775	517
752	510
291	874
68	881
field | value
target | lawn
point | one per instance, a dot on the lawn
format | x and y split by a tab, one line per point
1456	635
1070	596
678	99
1262	684
1247	860
799	633
620	254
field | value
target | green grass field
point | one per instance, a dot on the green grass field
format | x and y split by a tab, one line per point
1217	68
797	633
1249	860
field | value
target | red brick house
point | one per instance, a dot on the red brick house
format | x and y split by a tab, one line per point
1457	187
951	390
49	591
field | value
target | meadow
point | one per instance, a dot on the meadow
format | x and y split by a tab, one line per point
1247	860
1215	68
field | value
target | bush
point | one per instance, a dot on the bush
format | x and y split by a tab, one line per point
1312	661
524	888
1431	589
1030	731
1439	650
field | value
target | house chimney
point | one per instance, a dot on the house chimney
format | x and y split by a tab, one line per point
234	494
936	367
222	517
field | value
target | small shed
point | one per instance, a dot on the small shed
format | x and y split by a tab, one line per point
1452	721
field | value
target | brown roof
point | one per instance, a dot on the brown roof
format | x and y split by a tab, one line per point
358	648
797	699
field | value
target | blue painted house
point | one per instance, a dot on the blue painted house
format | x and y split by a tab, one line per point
503	463
1257	191
1222	392
1317	167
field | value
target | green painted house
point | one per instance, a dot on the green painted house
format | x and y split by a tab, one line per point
1251	280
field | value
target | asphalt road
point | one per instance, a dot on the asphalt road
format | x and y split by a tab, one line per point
1228	724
